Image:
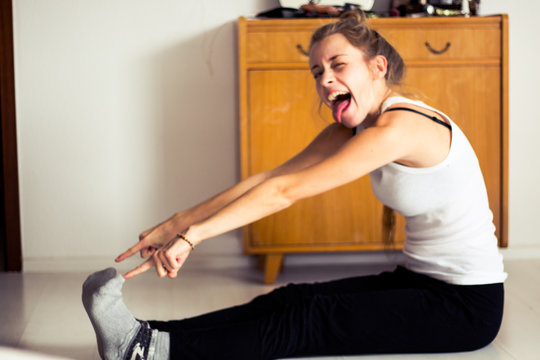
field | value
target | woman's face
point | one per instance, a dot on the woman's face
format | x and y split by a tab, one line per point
345	81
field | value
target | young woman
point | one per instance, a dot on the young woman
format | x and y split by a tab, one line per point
448	296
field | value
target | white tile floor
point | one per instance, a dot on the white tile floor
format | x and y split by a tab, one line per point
42	312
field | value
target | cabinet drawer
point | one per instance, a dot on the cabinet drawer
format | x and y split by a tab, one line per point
415	40
277	46
445	44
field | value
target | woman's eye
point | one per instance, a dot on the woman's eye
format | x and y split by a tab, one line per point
338	65
317	75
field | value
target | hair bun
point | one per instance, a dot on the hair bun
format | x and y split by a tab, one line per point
357	16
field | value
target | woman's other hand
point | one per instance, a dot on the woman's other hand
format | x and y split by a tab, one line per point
158	245
167	260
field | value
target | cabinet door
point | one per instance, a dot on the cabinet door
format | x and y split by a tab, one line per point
284	116
470	95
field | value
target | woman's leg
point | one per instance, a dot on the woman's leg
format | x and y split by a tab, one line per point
398	312
266	304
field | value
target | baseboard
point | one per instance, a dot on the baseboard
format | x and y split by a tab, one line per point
207	261
210	260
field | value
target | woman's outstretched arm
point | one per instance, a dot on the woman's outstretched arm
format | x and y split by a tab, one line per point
325	144
372	148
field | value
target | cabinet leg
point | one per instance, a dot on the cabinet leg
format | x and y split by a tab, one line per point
272	265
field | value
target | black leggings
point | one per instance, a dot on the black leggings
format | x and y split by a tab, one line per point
393	312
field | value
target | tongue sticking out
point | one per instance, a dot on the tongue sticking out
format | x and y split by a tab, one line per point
339	107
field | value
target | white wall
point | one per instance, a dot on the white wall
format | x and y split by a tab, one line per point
524	122
127	111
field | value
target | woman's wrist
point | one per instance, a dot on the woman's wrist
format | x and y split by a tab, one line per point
185	238
190	236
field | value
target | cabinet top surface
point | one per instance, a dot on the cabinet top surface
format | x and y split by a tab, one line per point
390	21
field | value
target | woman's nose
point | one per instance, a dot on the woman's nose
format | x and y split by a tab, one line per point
327	78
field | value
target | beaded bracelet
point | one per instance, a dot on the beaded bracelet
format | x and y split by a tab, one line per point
183	237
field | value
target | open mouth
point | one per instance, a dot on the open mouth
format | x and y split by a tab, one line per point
340	102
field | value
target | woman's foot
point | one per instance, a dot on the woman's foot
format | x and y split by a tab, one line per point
119	335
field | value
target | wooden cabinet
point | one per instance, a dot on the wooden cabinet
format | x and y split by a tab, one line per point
458	65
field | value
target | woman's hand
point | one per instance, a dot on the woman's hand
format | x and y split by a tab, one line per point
167	260
166	252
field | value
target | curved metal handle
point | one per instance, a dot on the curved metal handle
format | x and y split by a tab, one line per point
302	50
438	52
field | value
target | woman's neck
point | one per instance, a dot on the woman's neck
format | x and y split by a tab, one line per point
372	117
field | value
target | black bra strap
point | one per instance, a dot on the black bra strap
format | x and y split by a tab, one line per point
421	113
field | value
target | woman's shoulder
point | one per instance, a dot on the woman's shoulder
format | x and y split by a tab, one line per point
418	105
421	129
399	99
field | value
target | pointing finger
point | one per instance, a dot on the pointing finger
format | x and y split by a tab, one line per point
130	252
145	266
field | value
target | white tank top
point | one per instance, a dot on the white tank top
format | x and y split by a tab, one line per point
449	229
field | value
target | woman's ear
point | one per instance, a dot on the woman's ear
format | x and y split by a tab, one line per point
378	67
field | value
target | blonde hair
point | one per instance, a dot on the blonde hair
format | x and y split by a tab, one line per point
353	25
